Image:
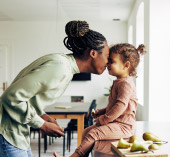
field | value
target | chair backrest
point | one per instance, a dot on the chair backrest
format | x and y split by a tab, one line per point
90	118
88	121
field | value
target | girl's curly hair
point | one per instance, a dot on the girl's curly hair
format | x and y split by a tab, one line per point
129	53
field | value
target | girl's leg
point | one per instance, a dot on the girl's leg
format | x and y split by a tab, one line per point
88	142
86	130
105	132
6	150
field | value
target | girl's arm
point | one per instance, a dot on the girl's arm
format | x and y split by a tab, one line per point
124	93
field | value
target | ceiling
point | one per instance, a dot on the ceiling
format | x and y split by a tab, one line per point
45	10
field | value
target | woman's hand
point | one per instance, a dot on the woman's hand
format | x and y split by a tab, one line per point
47	118
52	129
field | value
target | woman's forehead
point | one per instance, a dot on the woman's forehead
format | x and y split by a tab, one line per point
106	47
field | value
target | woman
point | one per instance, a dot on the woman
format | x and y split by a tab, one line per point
41	83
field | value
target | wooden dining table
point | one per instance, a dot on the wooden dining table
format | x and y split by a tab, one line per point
67	110
160	129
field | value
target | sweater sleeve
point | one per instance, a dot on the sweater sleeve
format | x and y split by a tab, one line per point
15	99
122	100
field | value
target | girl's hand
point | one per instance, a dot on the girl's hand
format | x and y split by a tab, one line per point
94	113
97	122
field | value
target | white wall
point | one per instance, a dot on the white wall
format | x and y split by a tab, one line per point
30	40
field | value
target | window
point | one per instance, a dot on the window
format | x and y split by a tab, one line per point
140	40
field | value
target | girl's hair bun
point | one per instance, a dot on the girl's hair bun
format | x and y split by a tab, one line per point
76	28
142	49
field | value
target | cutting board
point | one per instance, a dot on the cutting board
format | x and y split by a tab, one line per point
121	152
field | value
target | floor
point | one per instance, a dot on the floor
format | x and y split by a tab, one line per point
56	146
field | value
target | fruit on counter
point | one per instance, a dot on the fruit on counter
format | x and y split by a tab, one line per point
153	147
148	136
123	144
148	142
133	138
139	146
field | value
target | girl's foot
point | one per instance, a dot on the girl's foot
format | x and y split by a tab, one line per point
57	155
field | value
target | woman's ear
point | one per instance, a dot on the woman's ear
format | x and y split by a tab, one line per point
93	53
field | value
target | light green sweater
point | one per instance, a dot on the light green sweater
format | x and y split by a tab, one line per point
36	87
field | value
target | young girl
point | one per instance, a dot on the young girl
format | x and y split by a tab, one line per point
118	118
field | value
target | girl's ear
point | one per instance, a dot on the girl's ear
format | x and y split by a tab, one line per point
127	64
93	53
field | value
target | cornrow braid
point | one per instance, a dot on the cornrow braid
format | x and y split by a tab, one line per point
95	40
129	53
80	38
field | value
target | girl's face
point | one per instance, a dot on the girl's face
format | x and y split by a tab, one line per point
116	67
101	60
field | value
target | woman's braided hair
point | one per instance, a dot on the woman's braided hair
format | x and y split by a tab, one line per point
80	38
129	53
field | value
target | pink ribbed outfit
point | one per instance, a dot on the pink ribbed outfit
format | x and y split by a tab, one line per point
116	120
